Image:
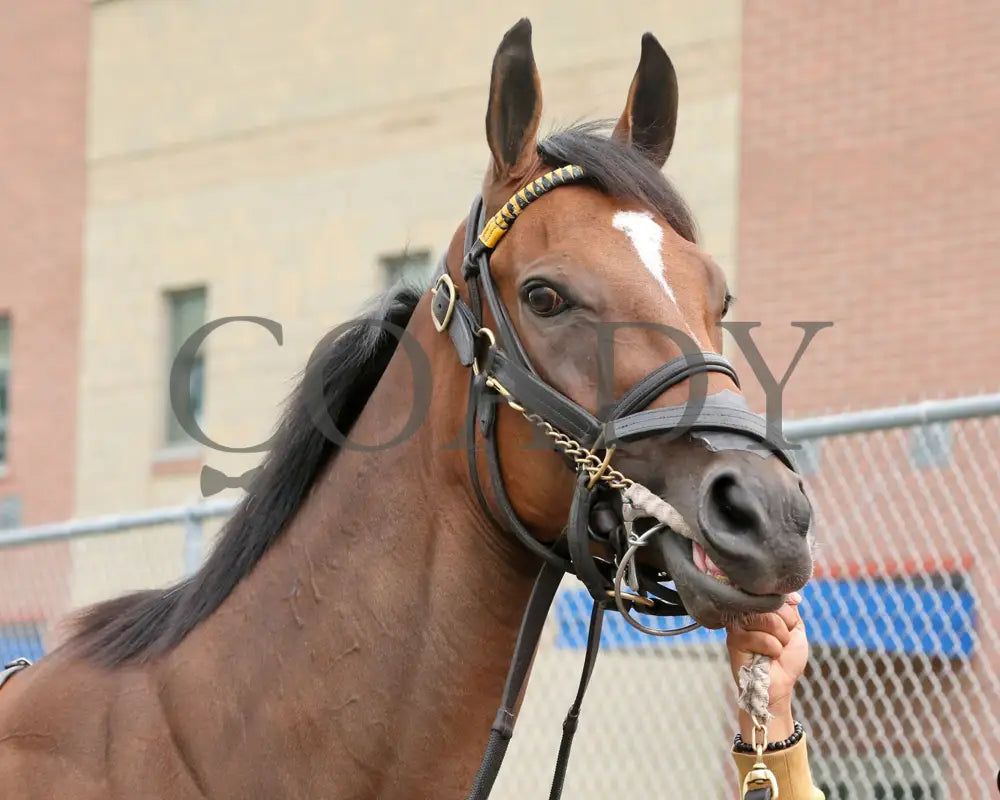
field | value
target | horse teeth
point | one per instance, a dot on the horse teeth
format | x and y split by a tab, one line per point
703	561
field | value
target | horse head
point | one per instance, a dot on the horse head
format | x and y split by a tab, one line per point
571	314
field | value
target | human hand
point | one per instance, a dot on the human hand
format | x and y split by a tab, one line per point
781	635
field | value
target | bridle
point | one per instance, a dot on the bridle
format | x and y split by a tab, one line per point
501	372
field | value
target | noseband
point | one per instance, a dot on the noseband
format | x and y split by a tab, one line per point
601	509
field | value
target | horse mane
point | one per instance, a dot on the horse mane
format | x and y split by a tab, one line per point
143	624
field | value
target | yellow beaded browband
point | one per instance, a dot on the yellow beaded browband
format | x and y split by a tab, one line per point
500	223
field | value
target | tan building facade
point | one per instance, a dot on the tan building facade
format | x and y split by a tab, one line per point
276	160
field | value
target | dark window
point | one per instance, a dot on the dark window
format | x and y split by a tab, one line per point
413	265
186	311
882	791
10	512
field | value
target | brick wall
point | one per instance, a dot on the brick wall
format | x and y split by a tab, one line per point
869	197
43	56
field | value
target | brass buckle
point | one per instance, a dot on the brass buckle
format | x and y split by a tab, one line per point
445	279
493	343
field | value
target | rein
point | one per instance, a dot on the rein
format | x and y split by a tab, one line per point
606	504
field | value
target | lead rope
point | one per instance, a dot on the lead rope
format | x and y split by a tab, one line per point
754	678
573	715
542	594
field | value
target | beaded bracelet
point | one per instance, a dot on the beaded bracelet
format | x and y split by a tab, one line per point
742	747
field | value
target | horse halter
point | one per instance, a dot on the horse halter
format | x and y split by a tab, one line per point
501	372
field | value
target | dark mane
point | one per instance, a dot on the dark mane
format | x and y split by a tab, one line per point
618	170
143	624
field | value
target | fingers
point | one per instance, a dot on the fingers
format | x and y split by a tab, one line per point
747	642
776	624
767	634
789	615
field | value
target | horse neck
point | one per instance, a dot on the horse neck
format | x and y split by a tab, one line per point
375	635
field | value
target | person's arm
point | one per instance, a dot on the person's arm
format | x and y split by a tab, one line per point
782	637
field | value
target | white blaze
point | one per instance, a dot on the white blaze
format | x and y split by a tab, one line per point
646	236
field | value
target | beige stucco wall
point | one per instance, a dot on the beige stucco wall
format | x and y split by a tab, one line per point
273	152
274	156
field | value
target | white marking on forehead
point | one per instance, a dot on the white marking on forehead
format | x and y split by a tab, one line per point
646	236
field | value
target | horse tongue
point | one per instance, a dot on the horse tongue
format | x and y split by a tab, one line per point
699	556
713	569
703	561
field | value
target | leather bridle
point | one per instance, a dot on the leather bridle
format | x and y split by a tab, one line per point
501	372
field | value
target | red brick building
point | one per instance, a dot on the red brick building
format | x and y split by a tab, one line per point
43	61
870	197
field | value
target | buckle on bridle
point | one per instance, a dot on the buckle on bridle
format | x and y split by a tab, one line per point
445	280
488	334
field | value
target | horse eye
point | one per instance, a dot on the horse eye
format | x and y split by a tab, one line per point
544	300
727	303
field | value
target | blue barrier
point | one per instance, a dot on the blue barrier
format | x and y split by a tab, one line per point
936	618
20	641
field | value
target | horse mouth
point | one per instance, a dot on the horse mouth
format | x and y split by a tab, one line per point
710	596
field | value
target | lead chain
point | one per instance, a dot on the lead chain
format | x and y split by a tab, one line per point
584	459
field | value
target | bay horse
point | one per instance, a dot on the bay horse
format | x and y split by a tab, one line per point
348	636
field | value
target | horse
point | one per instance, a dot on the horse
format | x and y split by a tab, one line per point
349	634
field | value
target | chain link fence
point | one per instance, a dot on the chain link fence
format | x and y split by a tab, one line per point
902	695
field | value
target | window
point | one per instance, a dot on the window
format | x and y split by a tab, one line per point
186	310
890	777
10	512
413	266
4	386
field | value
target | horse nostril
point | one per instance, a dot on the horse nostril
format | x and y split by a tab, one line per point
730	506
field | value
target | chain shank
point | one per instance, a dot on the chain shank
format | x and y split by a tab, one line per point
585	460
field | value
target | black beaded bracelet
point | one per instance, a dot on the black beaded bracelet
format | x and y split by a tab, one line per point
772	747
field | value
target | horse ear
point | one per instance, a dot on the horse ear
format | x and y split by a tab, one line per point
650	116
515	104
